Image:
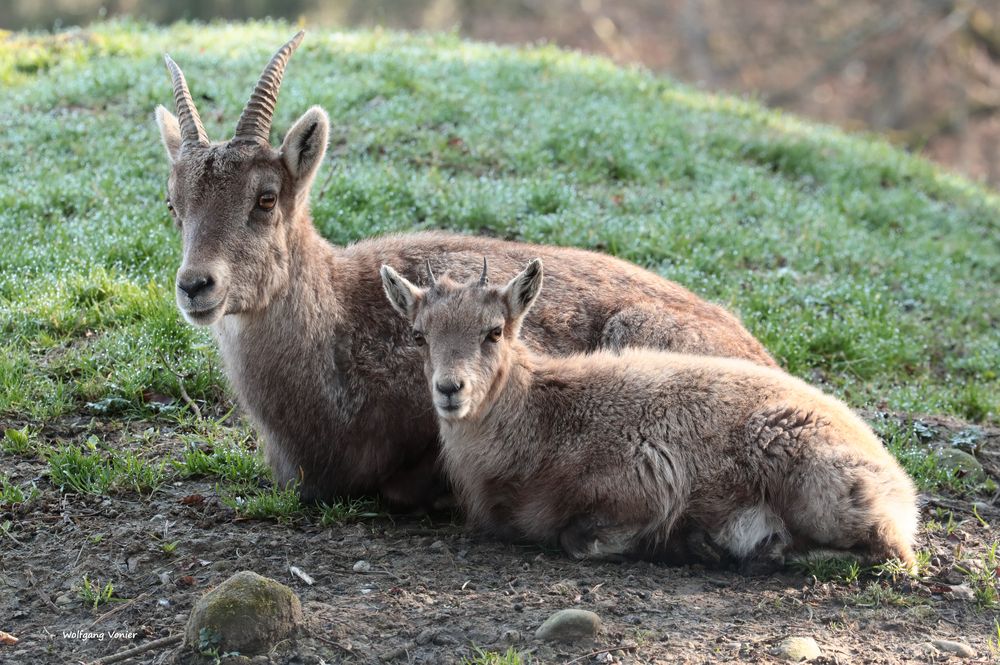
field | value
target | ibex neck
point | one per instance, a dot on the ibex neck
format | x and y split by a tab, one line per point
512	383
310	289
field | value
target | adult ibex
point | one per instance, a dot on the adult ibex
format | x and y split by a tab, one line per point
606	453
332	382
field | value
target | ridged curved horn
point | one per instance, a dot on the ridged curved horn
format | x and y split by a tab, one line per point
430	273
255	122
192	131
483	279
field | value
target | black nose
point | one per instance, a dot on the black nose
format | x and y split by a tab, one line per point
449	388
192	287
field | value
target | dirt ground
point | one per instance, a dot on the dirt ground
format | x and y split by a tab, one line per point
433	593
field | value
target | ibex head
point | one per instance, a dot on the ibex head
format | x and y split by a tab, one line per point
237	203
465	331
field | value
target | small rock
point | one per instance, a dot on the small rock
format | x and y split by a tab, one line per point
797	649
960	649
426	636
247	613
439	546
954	459
362	566
63	600
983	507
510	636
569	625
961	592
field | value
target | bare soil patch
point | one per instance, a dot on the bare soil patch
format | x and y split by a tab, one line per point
430	593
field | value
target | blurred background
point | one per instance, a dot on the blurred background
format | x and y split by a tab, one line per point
925	73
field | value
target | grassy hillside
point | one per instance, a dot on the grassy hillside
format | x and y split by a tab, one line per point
861	268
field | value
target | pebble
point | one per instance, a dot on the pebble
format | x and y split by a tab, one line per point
960	649
63	599
983	507
569	625
362	566
961	592
797	649
426	635
510	636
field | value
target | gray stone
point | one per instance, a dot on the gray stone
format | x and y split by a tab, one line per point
362	566
957	460
960	649
797	649
510	636
569	625
246	613
961	592
426	636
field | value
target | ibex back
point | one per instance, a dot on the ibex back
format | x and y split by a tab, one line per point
331	381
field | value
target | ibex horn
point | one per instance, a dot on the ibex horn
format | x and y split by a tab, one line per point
192	131
255	123
483	279
430	273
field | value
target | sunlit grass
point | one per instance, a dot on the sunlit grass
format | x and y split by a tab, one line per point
863	269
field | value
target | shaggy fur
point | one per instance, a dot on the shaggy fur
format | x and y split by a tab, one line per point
330	378
606	454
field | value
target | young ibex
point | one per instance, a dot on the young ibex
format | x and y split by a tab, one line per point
605	454
334	384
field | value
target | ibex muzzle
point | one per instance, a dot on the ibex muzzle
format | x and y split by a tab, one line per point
236	202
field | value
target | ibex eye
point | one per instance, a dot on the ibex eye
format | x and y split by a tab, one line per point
494	335
266	201
170	206
418	338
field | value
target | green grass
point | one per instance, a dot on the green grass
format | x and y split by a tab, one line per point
92	593
12	494
863	269
228	459
830	569
483	657
880	594
17	442
983	575
348	510
88	470
278	504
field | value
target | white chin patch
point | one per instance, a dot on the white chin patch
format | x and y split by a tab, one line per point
453	413
204	317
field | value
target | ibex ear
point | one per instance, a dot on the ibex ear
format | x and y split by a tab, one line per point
521	292
170	132
402	294
305	144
